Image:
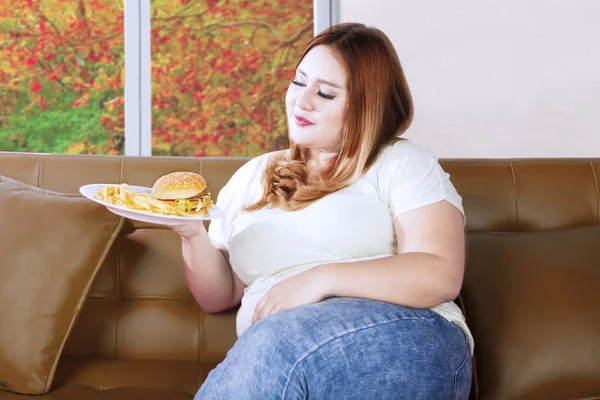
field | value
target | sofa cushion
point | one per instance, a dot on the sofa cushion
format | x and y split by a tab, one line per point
52	246
532	302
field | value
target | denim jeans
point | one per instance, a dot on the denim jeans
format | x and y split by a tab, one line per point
345	348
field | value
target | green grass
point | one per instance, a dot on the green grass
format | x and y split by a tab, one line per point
54	129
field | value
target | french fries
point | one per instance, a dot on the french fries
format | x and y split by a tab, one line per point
120	195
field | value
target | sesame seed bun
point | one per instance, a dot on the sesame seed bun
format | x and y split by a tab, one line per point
178	185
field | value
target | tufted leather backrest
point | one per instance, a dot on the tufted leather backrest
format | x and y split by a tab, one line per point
527	195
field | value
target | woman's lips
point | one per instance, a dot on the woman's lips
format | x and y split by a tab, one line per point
302	122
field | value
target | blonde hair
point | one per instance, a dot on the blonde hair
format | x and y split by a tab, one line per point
379	109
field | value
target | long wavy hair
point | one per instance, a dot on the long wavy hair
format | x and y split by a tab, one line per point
378	111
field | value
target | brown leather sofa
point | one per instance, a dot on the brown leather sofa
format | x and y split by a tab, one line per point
531	293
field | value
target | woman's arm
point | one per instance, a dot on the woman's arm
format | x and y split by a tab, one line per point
210	278
427	271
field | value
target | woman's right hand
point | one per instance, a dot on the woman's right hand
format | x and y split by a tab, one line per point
189	231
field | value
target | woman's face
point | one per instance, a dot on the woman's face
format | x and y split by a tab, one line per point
316	100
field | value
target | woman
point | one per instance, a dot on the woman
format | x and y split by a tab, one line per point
345	251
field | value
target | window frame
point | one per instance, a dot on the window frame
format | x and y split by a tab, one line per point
138	79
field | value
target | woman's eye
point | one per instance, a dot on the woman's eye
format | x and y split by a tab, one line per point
326	96
323	95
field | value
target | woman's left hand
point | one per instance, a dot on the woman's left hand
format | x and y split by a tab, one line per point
298	290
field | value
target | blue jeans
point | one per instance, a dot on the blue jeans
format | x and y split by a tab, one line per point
345	348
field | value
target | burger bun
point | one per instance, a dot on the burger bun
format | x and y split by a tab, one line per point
178	185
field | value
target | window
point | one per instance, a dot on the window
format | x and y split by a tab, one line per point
150	77
61	76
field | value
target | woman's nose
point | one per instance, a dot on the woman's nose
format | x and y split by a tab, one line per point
303	100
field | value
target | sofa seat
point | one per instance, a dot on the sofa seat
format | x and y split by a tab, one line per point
83	378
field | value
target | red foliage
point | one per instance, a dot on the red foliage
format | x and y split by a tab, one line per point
219	73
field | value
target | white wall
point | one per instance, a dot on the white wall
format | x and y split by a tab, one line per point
495	79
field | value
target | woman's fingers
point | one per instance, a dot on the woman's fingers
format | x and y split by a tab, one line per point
187	231
258	309
265	307
275	309
266	310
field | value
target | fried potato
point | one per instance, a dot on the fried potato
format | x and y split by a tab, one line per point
121	196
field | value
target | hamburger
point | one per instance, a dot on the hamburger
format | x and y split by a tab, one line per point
187	191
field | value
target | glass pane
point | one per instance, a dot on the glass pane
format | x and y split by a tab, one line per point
61	76
220	70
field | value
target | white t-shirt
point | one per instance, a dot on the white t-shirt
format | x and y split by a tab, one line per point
352	224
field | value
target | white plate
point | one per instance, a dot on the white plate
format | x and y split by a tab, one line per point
144	216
